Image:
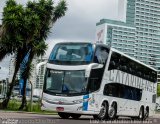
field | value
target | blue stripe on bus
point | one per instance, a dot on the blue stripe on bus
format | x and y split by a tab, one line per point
85	102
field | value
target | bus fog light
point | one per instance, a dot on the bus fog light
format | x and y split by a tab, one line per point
79	108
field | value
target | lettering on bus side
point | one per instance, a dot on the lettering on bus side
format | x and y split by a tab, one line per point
118	76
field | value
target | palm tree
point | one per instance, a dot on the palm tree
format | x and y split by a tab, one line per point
11	41
26	29
48	15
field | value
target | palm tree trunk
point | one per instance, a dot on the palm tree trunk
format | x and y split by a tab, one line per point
24	101
25	77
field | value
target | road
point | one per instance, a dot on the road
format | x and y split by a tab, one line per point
28	118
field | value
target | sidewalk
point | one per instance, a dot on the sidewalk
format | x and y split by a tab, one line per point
156	115
42	113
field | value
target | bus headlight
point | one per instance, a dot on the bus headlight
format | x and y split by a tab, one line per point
78	101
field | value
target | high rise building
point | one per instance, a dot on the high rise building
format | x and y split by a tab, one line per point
147	23
11	69
38	80
137	33
117	34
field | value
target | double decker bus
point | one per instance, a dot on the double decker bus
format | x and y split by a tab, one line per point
93	79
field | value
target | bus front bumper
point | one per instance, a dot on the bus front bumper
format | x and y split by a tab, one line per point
76	108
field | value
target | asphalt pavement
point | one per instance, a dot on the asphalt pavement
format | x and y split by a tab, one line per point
29	118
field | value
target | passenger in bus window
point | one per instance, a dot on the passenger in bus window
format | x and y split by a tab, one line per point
101	55
85	54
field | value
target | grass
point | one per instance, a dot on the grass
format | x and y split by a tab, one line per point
157	111
14	105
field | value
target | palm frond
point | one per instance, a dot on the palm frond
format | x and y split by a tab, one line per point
40	48
59	11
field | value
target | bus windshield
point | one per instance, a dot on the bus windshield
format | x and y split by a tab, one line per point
65	82
71	54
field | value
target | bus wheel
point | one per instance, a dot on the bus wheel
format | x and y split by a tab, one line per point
113	111
146	113
95	117
141	113
103	112
75	116
64	115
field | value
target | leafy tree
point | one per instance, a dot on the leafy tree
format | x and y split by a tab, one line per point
12	39
25	29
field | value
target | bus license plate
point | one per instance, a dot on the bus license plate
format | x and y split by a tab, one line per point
60	109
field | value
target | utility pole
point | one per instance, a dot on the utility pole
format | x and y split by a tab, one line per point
4	88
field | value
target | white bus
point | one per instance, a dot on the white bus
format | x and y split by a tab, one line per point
92	79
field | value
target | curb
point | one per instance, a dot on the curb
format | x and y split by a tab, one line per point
40	113
156	115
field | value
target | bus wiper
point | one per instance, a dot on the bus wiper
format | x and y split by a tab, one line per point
50	89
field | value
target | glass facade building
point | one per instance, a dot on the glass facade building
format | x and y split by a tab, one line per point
138	35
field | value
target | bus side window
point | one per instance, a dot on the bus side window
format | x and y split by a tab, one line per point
115	61
122	91
112	65
154	98
95	79
127	65
111	90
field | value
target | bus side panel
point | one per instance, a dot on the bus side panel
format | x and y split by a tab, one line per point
148	101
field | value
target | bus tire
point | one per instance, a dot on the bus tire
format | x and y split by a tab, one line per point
64	115
134	118
146	113
112	113
103	112
141	113
75	116
95	117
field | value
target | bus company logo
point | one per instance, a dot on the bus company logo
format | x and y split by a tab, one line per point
131	80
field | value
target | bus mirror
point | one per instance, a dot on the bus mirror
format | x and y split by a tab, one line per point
88	69
38	66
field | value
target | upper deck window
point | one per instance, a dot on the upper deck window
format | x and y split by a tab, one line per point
71	54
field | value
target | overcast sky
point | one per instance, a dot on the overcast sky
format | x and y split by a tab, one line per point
79	23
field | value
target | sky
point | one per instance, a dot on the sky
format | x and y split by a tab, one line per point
79	23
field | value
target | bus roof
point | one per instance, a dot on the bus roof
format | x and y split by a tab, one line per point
73	42
112	49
